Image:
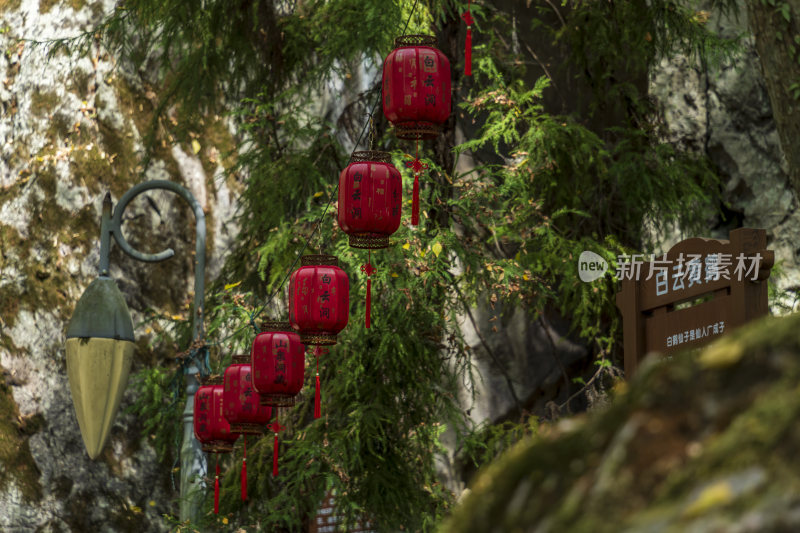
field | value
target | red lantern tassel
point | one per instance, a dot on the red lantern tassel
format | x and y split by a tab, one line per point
467	16
317	406
216	491
317	402
369	298
468	53
244	470
415	202
275	457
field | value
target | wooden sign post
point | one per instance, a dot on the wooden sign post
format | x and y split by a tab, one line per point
659	299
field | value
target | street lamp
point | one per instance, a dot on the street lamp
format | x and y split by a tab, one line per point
100	344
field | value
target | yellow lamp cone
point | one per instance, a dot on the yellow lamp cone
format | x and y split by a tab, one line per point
98	374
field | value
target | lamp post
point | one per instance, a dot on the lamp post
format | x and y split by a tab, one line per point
100	343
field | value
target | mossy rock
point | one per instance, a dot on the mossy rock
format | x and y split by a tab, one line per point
16	463
701	442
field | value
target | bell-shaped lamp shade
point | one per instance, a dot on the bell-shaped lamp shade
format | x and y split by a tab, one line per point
99	354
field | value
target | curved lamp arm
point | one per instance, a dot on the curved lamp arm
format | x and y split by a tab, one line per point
111	225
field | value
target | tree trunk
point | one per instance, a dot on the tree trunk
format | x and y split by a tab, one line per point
780	61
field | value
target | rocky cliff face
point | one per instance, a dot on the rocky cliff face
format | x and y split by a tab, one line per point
724	112
71	130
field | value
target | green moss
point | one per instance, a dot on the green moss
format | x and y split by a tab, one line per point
9	5
78	83
124	161
46	5
45	277
43	103
134	104
60	128
216	135
15	455
94	169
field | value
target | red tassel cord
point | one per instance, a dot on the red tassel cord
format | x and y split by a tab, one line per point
244	470
369	299
415	202
467	16
275	457
417	166
216	488
276	427
317	406
317	400
368	269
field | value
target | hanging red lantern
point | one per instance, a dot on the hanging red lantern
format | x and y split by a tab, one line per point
319	299
416	87
278	362
416	96
210	425
370	200
242	408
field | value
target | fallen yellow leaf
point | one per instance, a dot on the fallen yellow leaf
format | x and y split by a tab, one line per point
406	246
195	146
436	249
395	275
229	286
317	194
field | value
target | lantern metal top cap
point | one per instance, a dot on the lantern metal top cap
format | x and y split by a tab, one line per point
213	380
276	325
319	260
241	359
372	156
415	40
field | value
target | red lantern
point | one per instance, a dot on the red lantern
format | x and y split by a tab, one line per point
416	96
241	406
278	362
370	200
319	299
416	87
210	426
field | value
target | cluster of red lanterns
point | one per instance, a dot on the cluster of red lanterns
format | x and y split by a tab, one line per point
416	100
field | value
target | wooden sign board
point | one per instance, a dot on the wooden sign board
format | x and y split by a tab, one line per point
658	298
327	521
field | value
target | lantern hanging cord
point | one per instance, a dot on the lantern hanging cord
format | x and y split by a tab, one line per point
318	224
